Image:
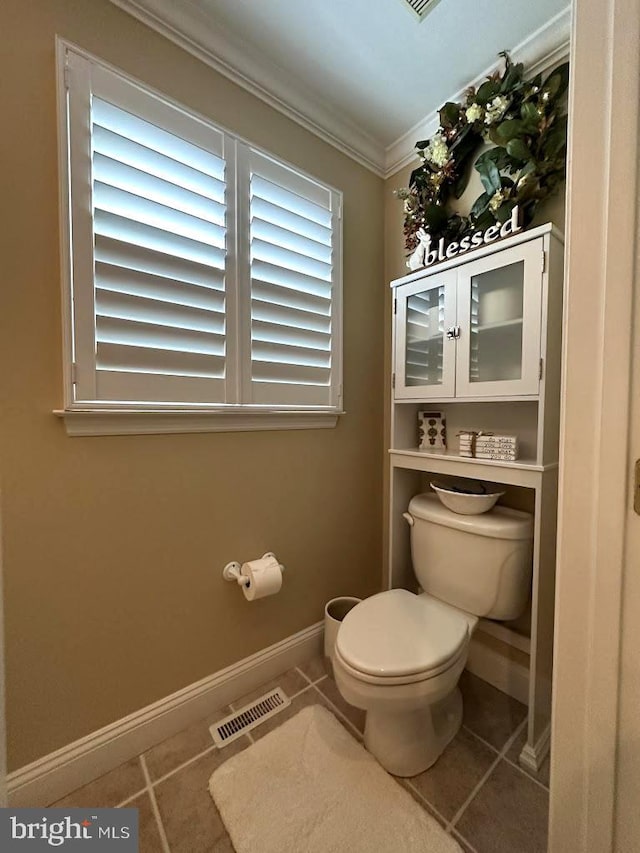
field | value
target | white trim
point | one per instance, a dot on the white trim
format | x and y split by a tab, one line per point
49	778
496	669
185	26
539	52
180	24
64	235
532	757
120	422
337	299
601	247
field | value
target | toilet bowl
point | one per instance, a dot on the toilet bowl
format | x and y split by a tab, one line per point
399	655
405	675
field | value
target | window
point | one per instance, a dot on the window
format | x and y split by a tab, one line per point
201	274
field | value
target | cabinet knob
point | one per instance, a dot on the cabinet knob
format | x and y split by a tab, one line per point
453	332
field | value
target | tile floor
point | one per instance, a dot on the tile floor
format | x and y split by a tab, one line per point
476	790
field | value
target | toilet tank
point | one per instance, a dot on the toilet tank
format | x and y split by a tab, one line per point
479	563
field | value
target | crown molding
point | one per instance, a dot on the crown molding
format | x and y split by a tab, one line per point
189	28
539	52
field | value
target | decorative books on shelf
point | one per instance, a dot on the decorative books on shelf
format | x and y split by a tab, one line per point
487	445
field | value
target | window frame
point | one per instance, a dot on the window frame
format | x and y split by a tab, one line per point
103	417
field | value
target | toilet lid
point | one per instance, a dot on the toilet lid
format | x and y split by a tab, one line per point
399	633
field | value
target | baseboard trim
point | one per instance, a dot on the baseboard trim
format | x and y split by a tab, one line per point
53	776
507	675
532	757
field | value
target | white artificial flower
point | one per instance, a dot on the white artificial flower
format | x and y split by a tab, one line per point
474	113
496	109
437	151
496	200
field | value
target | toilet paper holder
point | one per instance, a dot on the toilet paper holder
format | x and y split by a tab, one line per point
233	570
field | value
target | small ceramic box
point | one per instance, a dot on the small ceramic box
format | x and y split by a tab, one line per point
432	431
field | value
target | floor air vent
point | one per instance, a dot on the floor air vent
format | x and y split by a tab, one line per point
249	717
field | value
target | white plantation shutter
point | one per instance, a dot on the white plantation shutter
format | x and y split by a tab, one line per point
157	330
202	274
295	286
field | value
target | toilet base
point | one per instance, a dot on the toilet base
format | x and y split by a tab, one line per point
408	742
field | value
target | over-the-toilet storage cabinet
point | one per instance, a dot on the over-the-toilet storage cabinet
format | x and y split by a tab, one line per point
478	338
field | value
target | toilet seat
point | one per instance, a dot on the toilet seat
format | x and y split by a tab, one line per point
407	680
396	637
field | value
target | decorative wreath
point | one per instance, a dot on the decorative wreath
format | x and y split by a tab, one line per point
524	121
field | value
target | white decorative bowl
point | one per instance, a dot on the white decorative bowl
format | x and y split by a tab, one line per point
464	503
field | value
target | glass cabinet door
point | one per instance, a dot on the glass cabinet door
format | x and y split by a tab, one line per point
499	317
424	355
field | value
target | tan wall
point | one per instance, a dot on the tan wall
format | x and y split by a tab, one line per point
114	546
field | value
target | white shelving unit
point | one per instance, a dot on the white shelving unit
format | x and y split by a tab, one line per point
478	338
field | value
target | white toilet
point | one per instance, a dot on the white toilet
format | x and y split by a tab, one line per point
399	655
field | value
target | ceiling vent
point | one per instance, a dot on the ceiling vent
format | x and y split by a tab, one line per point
421	8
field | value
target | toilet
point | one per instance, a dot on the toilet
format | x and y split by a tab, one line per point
399	655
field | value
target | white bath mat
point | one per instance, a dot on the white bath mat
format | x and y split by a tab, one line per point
309	787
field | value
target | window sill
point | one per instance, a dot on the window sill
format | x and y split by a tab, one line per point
155	421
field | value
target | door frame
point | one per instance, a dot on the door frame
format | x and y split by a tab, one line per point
594	461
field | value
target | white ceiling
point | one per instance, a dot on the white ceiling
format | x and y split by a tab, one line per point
366	72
